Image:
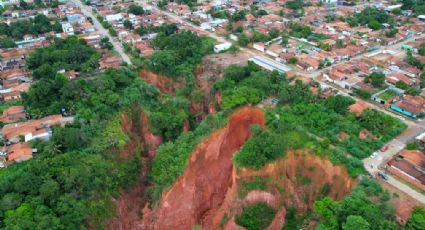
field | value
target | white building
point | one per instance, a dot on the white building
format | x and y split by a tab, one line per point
221	47
114	17
43	134
67	28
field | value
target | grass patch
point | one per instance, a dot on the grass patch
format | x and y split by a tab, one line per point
387	95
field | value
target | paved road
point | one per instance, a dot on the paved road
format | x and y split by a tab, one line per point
406	189
87	11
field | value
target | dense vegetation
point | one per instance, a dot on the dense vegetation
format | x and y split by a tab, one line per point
256	216
178	53
167	29
69	54
234	17
417	219
264	146
372	17
246	85
73	176
190	3
36	4
39	25
303	116
417	6
367	207
135	9
83	167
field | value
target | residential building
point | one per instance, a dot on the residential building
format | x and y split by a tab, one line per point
410	166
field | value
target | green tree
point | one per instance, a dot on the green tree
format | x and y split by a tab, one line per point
274	33
421	50
7	43
243	40
401	85
377	79
264	146
236	73
340	43
256	216
339	103
135	9
106	44
127	24
374	24
396	11
327	208
414	91
112	32
355	223
417	219
293	60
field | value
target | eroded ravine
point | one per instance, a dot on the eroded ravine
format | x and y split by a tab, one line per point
200	191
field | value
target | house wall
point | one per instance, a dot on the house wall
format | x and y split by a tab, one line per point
398	173
23	158
402	111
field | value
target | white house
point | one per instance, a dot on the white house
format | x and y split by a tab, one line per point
67	28
43	134
114	17
221	47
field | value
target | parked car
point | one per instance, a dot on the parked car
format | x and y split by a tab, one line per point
383	175
384	148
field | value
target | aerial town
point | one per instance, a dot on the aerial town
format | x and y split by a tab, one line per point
212	114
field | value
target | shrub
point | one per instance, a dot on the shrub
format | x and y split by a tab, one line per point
264	146
256	216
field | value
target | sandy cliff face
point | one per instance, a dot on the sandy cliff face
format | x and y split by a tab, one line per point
201	190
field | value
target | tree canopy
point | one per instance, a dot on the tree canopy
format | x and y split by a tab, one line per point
69	54
367	207
39	25
178	53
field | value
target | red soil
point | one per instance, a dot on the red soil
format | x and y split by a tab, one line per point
200	191
150	141
164	84
287	173
130	202
209	187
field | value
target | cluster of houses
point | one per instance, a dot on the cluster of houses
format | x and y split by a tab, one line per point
116	14
17	128
409	165
18	131
14	79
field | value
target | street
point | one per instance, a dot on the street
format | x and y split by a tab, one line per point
87	11
406	189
